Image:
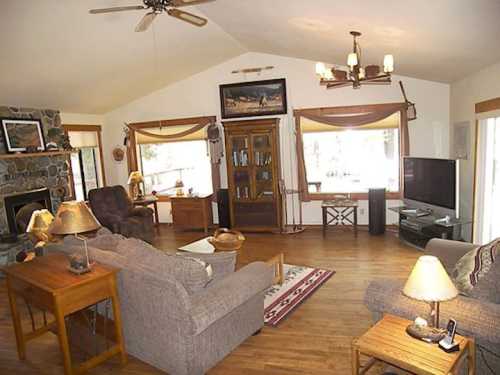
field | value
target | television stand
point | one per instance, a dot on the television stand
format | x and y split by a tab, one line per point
417	227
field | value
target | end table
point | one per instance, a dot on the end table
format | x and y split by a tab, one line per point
47	284
340	212
387	341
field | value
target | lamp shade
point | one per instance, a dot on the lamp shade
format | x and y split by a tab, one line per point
352	59
40	221
320	69
429	281
135	178
388	63
72	218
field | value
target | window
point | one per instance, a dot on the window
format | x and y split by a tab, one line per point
163	164
343	160
87	169
167	151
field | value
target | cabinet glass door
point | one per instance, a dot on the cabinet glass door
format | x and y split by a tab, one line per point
263	166
240	157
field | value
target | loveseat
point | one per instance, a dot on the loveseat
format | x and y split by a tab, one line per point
476	317
181	314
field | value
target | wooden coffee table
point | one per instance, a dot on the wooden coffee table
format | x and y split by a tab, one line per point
276	260
387	341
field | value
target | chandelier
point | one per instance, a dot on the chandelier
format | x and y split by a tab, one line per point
357	75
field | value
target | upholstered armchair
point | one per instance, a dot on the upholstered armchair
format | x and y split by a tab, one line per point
115	211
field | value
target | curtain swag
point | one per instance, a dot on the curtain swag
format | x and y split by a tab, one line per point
181	134
340	118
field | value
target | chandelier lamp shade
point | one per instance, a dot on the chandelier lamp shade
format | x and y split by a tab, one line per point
357	74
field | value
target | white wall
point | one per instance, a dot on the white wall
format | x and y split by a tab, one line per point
483	85
68	118
199	96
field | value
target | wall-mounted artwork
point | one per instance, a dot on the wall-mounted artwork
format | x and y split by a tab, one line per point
257	98
23	135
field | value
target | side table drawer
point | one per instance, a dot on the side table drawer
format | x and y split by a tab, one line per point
35	296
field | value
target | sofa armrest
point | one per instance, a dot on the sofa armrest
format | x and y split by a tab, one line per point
222	297
222	263
474	317
448	252
140	211
111	221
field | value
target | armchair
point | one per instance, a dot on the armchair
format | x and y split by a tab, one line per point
115	211
476	318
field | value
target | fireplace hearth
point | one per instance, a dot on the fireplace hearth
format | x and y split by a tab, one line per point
19	208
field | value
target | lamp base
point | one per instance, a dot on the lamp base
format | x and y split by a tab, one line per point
427	334
79	271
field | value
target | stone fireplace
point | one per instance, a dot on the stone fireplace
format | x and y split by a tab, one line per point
25	175
19	207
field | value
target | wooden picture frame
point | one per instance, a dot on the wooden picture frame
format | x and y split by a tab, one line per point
21	134
256	98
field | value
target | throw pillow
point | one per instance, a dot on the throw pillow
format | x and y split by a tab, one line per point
474	266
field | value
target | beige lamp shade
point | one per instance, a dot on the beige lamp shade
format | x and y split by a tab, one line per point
135	178
72	218
40	221
429	281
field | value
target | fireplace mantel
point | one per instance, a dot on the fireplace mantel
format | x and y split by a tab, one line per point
34	154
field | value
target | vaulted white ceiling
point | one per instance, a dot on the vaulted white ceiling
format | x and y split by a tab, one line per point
55	54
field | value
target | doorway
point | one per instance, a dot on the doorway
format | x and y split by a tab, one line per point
487	191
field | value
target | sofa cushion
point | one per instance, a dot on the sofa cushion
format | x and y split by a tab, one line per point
475	273
192	273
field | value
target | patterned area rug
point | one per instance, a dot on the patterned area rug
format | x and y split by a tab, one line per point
300	283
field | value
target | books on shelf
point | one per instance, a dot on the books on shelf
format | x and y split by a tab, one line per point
262	158
242	192
240	158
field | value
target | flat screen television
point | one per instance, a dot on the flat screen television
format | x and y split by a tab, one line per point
432	181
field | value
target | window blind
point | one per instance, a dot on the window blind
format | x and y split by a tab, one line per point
142	139
79	139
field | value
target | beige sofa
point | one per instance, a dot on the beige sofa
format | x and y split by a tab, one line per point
174	316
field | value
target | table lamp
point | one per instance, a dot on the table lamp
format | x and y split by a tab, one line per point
38	226
179	188
134	180
74	218
429	282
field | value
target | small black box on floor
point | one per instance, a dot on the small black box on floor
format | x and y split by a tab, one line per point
223	208
376	211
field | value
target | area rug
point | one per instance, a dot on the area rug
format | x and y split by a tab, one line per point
300	283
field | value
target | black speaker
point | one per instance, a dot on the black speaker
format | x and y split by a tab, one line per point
376	211
223	208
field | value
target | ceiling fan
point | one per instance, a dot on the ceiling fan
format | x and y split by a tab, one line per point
159	6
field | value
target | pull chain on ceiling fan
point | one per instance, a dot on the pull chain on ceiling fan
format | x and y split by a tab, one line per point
156	7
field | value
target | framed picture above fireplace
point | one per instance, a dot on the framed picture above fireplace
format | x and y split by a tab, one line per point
23	135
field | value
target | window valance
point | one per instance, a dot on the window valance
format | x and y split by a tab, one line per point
349	117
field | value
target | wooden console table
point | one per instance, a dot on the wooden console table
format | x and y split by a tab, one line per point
47	284
192	212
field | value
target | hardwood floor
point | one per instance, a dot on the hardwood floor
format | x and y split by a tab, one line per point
315	339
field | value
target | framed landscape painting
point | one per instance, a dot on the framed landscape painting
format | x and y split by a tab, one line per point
257	98
19	135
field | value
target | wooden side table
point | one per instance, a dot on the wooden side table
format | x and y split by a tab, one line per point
387	341
192	212
47	284
148	201
340	212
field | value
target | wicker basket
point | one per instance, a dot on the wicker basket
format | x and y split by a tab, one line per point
227	240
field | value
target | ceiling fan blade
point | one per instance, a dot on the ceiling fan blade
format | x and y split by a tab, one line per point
145	22
116	9
183	3
187	17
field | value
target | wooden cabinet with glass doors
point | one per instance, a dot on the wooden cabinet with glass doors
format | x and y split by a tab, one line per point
253	167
